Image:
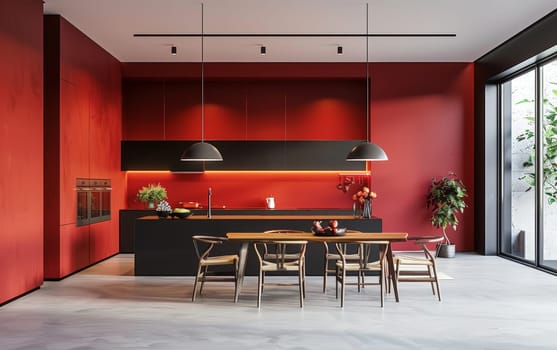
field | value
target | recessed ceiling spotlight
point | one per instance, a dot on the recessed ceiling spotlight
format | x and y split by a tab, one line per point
173	51
263	51
339	50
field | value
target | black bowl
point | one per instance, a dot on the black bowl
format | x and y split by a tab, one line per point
182	215
163	214
340	231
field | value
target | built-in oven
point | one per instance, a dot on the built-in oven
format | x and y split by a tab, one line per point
93	200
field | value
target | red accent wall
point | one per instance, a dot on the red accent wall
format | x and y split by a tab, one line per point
83	141
21	147
421	114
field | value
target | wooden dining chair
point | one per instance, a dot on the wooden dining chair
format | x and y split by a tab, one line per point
330	255
203	248
420	269
361	267
283	260
273	250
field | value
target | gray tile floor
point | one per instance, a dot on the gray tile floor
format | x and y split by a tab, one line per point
488	303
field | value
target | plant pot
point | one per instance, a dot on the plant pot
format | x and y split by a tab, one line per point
150	205
445	250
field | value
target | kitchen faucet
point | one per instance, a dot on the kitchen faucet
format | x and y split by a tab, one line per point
209	194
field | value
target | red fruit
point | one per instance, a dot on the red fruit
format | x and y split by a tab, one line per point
317	226
333	223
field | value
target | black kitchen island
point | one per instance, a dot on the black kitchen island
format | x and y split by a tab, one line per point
163	247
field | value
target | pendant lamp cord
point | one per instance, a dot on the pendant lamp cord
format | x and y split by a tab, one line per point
202	78
367	73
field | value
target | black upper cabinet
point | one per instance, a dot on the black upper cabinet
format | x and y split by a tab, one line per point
242	155
157	155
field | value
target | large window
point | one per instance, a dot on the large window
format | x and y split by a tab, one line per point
549	111
529	166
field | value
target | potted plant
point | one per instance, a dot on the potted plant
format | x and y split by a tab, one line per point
446	200
151	193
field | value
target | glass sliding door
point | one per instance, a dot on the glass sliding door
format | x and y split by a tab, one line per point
548	75
528	178
518	105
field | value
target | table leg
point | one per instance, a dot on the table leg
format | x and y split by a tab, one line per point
241	268
390	263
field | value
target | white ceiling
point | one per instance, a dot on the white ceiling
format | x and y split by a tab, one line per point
479	25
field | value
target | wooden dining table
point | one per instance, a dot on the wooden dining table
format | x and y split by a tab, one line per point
249	237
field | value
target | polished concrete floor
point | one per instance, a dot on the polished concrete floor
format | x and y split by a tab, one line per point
488	303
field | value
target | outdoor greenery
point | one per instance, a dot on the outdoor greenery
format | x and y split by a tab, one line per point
549	147
446	199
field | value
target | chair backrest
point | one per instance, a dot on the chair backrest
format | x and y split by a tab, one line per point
365	251
424	240
204	244
273	247
348	248
283	256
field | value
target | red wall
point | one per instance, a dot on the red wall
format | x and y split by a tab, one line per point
21	147
83	142
421	114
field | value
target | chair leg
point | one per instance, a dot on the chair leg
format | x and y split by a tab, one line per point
381	282
195	283
337	276
432	277
301	285
259	288
325	271
236	269
302	272
203	279
437	282
342	288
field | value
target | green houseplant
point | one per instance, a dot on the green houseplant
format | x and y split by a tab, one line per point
152	193
446	200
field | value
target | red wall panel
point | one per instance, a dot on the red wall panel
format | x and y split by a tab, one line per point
245	110
21	147
421	114
144	117
89	137
74	147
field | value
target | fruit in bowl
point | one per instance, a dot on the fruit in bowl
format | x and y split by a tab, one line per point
331	230
181	213
163	209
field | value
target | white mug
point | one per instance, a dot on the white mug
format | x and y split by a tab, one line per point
270	202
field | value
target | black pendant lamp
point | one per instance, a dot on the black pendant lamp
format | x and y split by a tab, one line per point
202	151
366	150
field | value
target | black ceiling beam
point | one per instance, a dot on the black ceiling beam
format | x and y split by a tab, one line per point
298	35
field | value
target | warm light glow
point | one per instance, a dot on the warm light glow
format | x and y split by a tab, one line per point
338	172
224	172
149	171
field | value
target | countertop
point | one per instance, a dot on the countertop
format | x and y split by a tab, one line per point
258	217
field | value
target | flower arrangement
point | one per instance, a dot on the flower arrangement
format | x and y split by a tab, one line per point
362	199
152	193
364	194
